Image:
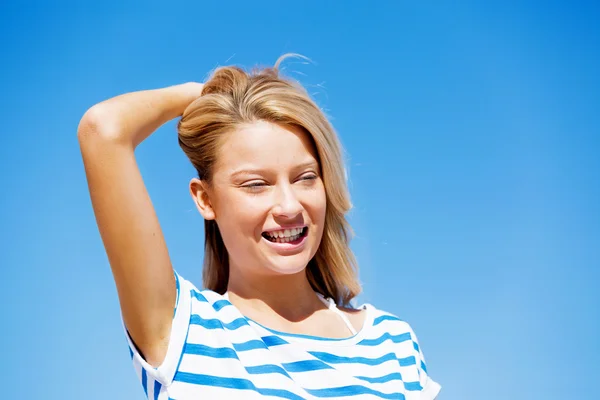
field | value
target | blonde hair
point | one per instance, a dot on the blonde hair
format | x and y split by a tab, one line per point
232	97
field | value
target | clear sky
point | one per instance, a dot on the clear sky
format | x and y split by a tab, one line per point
473	139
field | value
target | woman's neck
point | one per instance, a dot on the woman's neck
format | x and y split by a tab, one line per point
290	296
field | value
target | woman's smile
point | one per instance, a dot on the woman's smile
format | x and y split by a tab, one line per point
286	241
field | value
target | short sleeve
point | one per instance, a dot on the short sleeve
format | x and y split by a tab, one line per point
430	388
153	379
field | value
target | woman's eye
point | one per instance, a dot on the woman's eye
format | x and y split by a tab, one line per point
308	177
254	186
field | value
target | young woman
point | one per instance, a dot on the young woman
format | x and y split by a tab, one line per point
274	319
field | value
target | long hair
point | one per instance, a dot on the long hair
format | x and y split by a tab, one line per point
232	97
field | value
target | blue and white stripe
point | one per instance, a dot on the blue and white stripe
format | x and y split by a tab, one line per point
216	352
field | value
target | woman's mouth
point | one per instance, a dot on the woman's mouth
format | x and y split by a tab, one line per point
292	236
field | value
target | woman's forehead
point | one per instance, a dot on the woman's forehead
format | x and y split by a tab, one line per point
265	145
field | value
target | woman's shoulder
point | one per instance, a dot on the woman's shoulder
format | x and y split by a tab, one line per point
199	295
377	325
393	329
390	325
384	317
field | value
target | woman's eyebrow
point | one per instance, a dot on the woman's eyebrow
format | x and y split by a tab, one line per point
247	171
307	164
244	171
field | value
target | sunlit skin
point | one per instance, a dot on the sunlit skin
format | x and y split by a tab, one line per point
267	177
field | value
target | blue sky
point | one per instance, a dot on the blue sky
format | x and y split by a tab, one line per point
473	143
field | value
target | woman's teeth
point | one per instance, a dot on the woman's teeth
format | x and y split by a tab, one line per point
284	236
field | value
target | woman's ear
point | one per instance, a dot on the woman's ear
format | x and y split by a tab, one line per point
199	192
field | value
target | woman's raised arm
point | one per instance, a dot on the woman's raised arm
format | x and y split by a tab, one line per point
108	134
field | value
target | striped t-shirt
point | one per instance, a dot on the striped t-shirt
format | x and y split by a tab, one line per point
215	352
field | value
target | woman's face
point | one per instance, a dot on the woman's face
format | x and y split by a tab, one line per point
268	199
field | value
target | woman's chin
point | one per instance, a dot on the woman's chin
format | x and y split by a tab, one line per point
288	265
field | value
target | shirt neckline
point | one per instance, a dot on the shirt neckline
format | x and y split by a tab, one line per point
322	340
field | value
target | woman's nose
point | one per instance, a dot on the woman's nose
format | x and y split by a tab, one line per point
287	204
